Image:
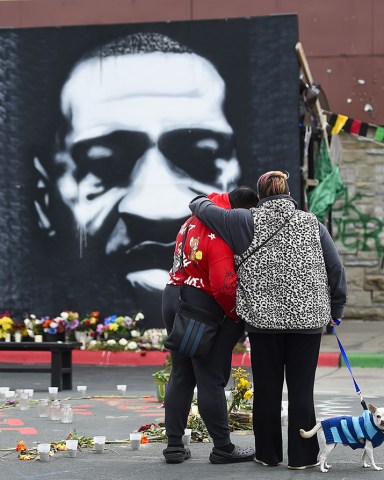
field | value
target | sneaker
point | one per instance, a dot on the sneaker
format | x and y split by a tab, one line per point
266	464
304	466
176	454
239	454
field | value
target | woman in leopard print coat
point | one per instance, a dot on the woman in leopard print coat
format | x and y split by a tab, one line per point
291	283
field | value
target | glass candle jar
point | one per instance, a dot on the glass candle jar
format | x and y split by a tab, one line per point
43	408
66	413
55	410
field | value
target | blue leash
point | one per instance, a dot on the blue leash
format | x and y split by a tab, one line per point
344	355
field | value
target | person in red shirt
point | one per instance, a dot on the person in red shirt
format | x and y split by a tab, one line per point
208	280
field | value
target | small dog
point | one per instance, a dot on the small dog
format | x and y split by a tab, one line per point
365	432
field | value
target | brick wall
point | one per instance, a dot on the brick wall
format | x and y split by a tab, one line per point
358	226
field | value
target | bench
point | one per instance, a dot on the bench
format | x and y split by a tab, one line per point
61	360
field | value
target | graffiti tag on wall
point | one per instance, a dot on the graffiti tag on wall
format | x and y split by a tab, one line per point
355	229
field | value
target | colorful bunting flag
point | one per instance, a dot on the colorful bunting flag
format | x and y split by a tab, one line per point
355	128
379	135
339	122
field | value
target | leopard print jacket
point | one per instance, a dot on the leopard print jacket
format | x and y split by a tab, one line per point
284	284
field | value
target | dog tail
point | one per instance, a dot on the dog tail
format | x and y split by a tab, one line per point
310	433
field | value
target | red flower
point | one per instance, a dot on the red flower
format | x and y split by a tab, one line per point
143	428
20	446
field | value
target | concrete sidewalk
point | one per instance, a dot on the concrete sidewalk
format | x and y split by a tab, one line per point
363	342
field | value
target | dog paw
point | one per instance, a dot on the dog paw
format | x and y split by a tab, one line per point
377	468
366	465
324	470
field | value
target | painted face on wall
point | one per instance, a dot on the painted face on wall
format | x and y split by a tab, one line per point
145	134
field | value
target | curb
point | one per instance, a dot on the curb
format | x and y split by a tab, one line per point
329	359
365	360
150	358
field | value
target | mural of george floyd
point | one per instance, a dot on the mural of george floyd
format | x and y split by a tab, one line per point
107	132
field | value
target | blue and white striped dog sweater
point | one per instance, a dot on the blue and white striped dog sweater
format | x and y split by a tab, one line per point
348	430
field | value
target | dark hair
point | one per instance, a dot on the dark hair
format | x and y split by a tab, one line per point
142	42
243	197
273	183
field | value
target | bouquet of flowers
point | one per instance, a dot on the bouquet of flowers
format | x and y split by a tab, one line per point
6	324
70	318
122	325
241	390
54	325
33	325
153	339
89	323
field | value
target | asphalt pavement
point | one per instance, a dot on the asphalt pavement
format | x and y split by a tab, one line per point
102	411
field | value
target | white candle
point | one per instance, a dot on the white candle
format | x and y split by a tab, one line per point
194	410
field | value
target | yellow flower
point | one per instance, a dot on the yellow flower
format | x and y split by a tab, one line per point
61	446
113	327
243	383
6	323
247	395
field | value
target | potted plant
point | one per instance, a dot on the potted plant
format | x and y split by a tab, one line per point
161	377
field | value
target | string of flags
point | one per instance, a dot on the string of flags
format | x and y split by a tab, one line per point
339	122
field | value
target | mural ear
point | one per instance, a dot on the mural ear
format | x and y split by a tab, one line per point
42	200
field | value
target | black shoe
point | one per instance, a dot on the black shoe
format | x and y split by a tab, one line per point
239	454
176	454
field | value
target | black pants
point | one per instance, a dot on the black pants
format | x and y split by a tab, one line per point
296	355
210	376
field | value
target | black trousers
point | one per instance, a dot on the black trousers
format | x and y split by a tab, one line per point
211	375
296	356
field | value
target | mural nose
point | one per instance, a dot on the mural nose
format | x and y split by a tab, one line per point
157	191
146	230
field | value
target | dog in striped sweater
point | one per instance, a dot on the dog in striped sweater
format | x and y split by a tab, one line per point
365	432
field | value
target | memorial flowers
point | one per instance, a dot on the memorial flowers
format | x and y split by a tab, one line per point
6	325
120	325
89	323
241	390
33	325
54	325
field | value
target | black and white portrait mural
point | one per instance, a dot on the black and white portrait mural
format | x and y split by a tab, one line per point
108	132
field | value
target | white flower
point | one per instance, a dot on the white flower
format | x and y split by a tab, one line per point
53	325
132	346
139	316
64	315
111	341
92	343
123	342
135	333
32	316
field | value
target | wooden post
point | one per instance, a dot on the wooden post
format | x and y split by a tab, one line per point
322	119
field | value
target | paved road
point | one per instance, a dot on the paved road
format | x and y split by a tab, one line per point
116	418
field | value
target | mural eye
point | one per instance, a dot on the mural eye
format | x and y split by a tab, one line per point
209	144
99	151
110	158
195	152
